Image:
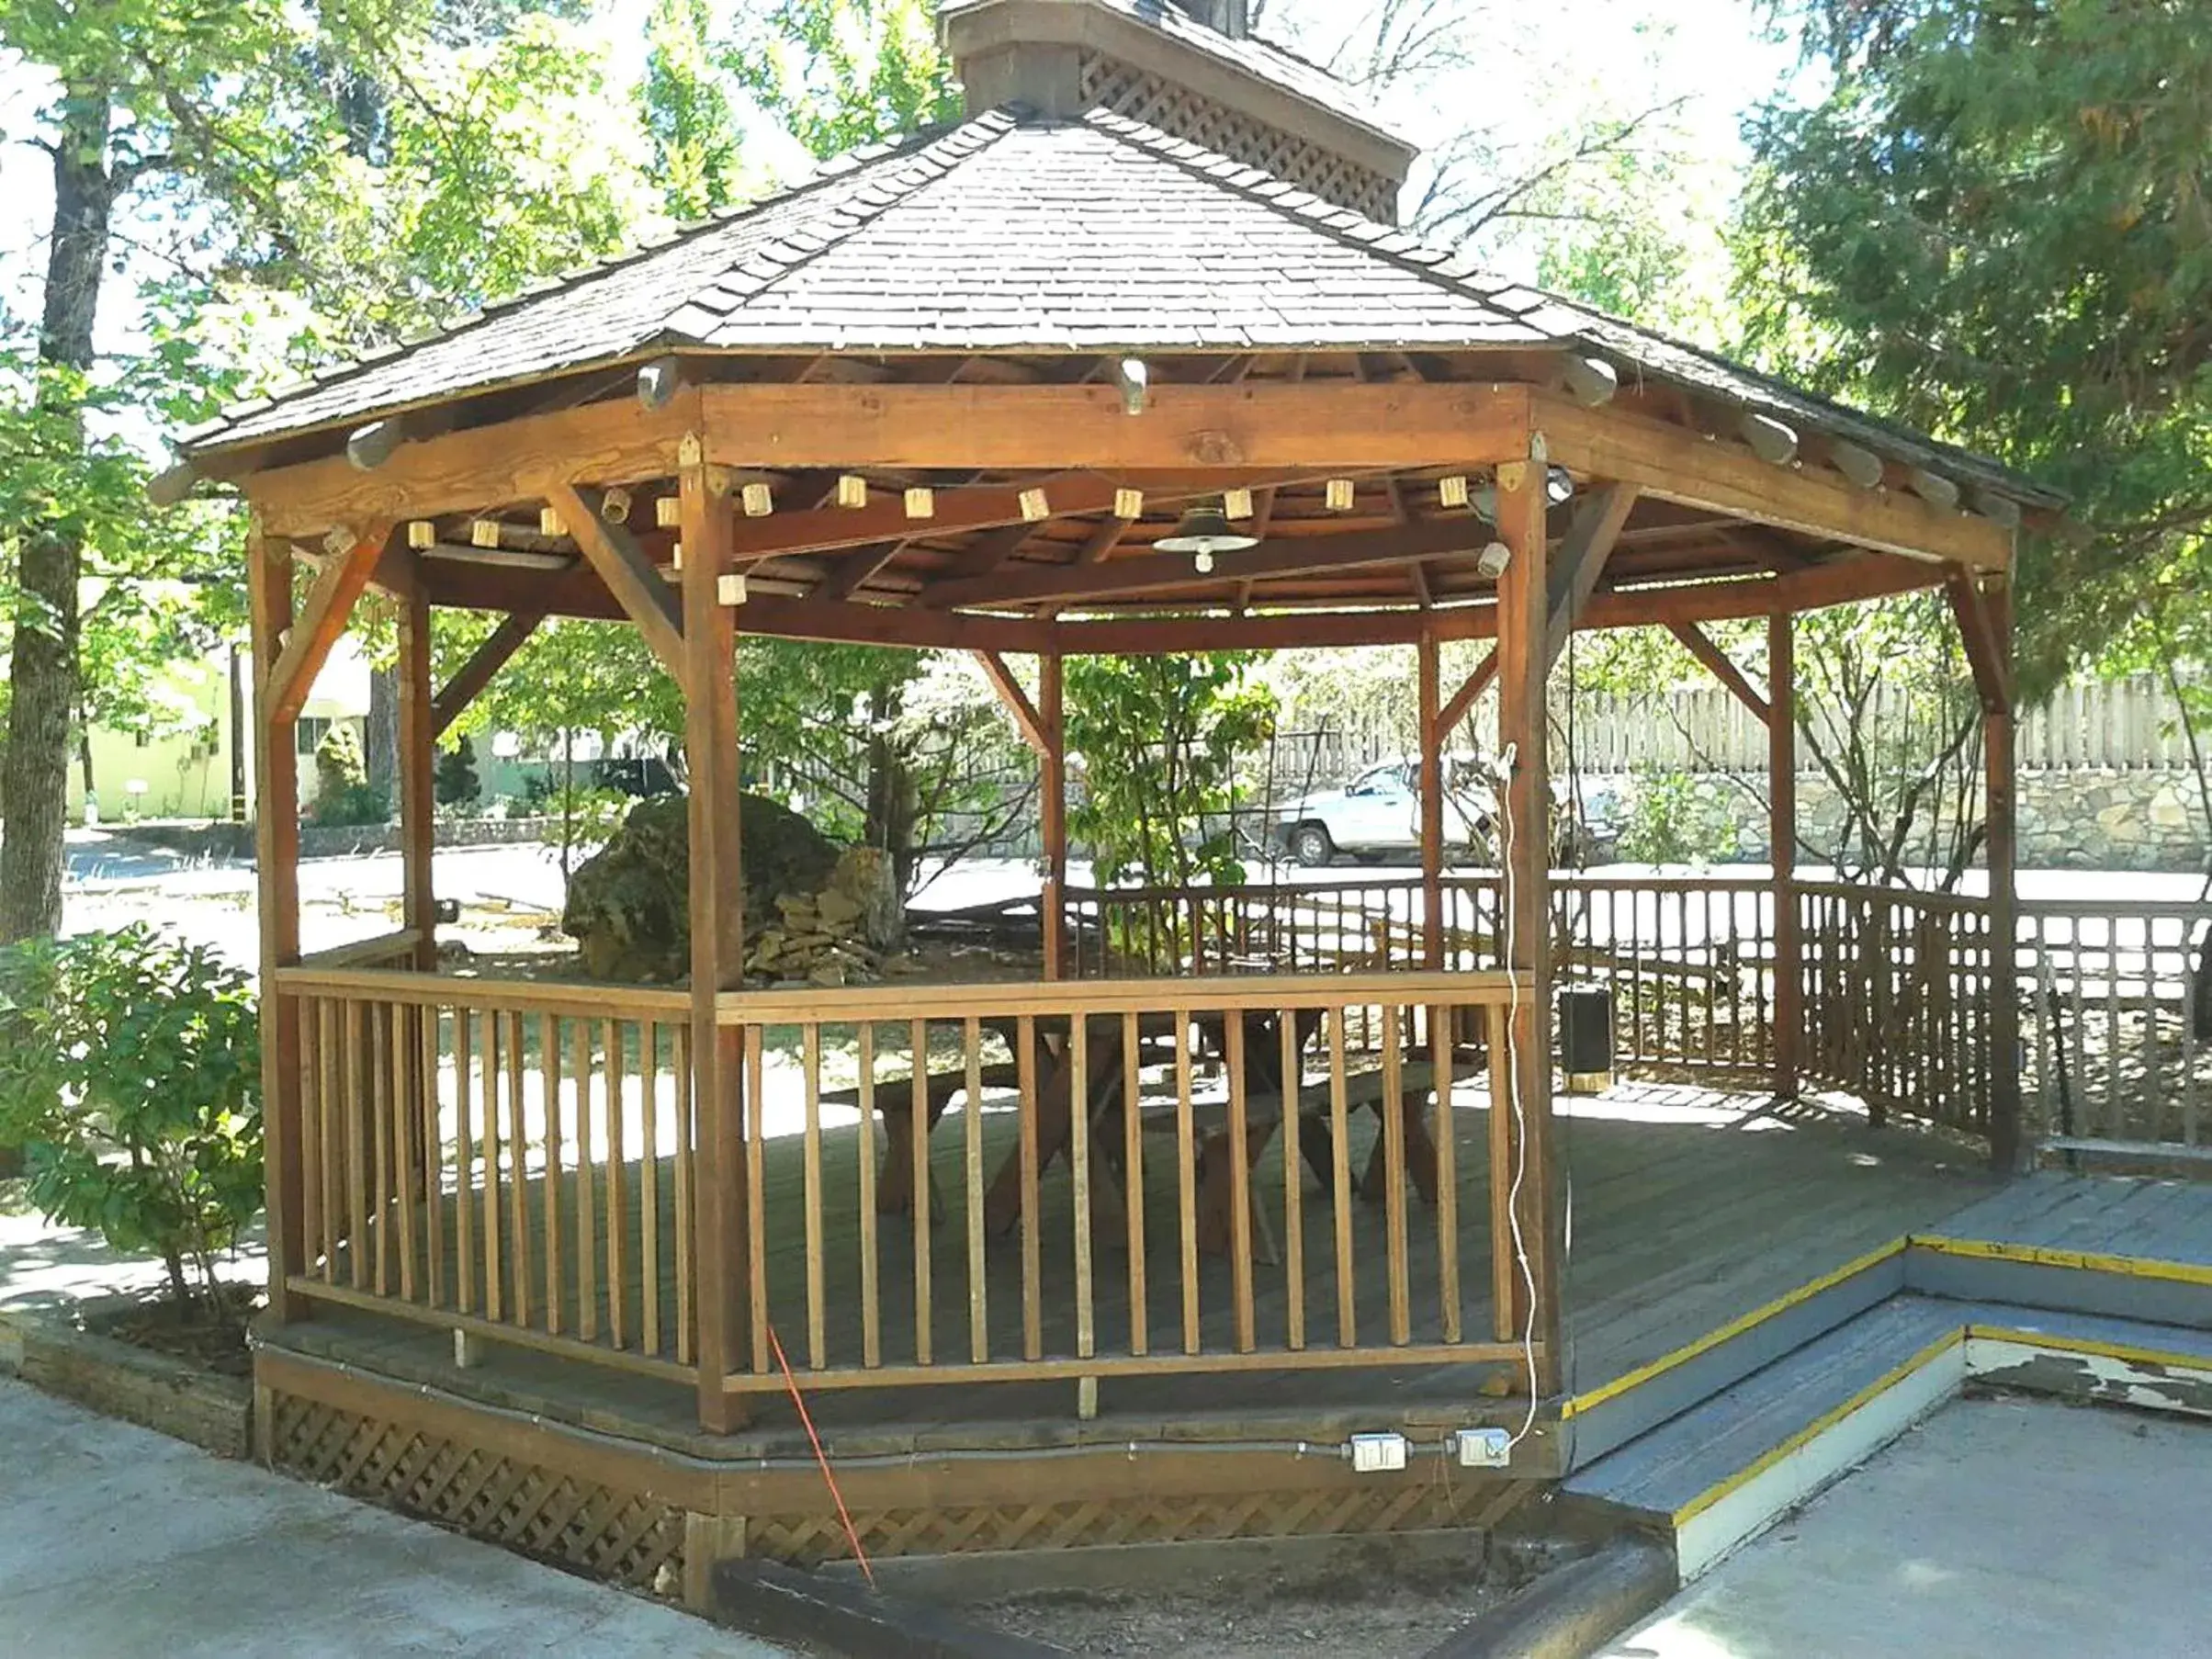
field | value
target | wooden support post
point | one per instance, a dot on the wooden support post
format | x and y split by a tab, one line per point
1523	618
1985	621
1430	677
1782	831
276	872
1053	757
718	937
418	762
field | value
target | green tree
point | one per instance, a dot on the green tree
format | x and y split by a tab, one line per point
841	73
1157	739
686	112
1996	226
284	182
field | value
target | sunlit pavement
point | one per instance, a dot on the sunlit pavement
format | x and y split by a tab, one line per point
115	1543
2001	1528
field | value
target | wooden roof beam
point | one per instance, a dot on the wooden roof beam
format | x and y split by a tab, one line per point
1026	719
330	605
856	569
1698	643
1039	427
635	581
1678	465
487	659
1581	559
1168	571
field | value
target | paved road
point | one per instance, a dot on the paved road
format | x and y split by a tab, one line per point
2003	1528
117	1543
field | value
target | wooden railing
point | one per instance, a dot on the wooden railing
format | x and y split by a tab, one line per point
937	1259
2117	1016
1897	1001
506	1159
1295	928
1689	961
1125	1190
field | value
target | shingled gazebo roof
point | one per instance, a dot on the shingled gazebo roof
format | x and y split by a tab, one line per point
1026	249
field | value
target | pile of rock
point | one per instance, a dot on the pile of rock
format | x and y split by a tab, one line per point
818	940
814	912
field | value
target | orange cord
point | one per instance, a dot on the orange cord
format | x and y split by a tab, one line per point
823	1458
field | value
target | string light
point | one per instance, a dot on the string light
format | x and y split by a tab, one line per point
759	501
921	502
484	533
852	490
421	534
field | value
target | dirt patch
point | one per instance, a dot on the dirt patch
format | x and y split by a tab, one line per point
194	1335
1363	1607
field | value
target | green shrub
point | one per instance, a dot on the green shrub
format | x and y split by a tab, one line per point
130	1075
454	780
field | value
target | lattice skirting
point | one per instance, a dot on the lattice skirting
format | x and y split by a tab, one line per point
591	1529
630	1517
808	1539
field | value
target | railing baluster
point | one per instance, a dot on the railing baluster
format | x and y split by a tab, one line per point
314	1109
1293	1183
1501	1178
1032	1262
817	1335
756	1202
406	1170
649	1189
925	1192
680	1071
1133	1181
356	1165
1240	1183
434	1149
554	1173
871	1298
1186	1176
587	1182
619	1185
1347	1327
495	1290
1441	1020
979	1345
1078	1164
518	1183
464	1162
1394	1172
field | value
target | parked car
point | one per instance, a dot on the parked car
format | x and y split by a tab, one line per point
1379	813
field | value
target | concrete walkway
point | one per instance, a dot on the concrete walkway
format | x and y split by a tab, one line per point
117	1543
1998	1527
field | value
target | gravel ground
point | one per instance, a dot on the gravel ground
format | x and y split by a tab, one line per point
1374	1598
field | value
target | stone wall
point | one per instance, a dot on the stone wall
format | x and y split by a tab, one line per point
2077	819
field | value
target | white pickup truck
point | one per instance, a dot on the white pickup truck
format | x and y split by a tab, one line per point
1379	811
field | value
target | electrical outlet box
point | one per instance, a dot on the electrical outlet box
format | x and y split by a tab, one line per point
1484	1448
1378	1453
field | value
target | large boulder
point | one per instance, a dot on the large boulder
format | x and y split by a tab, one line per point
628	907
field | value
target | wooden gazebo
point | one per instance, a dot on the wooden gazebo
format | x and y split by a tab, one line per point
554	1260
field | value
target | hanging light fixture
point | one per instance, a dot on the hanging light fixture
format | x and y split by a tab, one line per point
1203	533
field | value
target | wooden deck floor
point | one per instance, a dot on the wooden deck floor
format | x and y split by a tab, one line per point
1689	1208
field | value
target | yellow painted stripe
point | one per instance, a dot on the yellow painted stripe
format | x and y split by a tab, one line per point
2128	1267
2093	1347
1820	1425
1728	1332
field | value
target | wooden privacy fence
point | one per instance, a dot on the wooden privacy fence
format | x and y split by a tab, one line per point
1142	1177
